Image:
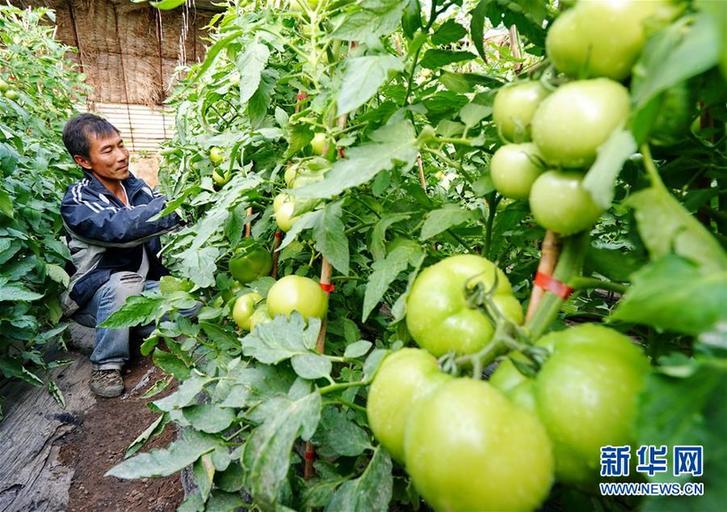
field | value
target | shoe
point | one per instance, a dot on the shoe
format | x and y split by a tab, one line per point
107	383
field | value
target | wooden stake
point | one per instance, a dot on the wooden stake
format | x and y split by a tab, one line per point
548	260
422	179
248	226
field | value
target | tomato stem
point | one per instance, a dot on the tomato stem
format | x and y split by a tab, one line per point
569	266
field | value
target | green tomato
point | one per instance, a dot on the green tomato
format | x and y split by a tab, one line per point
571	124
249	262
220	179
3	85
291	172
438	316
507	376
514	168
297	293
217	155
283	208
604	38
469	449
586	395
259	317
12	94
319	143
403	378
244	308
514	108
561	204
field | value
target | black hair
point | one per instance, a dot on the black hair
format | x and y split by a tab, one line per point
76	131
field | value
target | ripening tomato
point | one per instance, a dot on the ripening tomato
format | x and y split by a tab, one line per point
514	108
438	315
469	449
604	38
514	168
571	124
403	378
244	308
297	293
586	396
559	203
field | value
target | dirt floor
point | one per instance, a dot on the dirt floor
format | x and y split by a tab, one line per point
53	459
107	430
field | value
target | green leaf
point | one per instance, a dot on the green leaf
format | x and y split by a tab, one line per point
666	226
213	51
329	234
251	64
376	18
6	203
137	310
680	51
411	21
17	293
673	294
170	364
371	492
210	418
378	235
338	435
687	411
435	58
442	219
391	144
198	265
266	455
311	366
57	274
281	339
203	471
357	349
718	15
613	263
385	272
473	113
600	179
362	78
165	461
167	5
477	27
449	32
156	428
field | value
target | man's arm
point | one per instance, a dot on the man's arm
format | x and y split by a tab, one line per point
115	227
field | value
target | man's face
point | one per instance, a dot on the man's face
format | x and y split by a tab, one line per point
107	157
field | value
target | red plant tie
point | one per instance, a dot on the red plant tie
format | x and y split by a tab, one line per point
328	288
552	285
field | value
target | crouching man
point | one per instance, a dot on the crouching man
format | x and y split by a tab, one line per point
113	244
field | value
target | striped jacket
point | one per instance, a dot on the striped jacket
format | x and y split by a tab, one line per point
105	236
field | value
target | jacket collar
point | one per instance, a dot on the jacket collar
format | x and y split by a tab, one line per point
131	184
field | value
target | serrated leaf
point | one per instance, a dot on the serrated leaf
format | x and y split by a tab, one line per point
371	492
385	272
137	310
57	274
329	234
473	113
338	435
266	455
442	219
667	227
281	339
18	293
449	32
673	294
362	79
165	461
392	144
378	234
377	18
251	64
198	265
209	418
600	179
170	364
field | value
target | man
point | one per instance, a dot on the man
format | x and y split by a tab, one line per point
113	242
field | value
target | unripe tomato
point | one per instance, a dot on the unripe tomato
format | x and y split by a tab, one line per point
513	384
319	143
259	317
403	378
217	155
283	208
604	38
12	94
469	449
297	293
561	204
3	85
291	172
244	308
438	316
514	168
576	119
220	179
514	108
586	395
250	262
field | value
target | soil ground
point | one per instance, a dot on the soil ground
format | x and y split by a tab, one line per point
54	459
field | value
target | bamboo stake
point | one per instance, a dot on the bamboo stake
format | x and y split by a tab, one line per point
548	260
